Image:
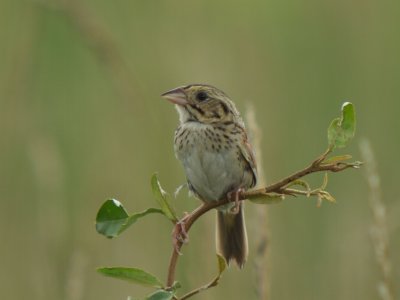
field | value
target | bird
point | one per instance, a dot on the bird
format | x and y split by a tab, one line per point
211	143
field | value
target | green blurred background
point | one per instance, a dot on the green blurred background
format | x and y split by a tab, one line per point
81	120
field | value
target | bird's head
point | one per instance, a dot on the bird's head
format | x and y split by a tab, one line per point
202	103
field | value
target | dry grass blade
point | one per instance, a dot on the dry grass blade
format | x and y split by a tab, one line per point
261	260
379	229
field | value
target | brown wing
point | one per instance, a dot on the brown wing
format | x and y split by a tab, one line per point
248	155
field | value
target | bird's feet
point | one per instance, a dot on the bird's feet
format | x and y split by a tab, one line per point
179	233
234	196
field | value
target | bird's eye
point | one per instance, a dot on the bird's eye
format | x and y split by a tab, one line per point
201	96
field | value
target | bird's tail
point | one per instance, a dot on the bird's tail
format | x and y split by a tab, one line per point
232	237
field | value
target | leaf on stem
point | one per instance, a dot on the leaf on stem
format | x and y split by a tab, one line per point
322	194
336	159
161	295
133	275
325	182
112	218
267	198
175	286
327	196
341	130
162	199
300	182
221	264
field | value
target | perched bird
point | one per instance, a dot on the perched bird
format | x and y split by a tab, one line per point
212	145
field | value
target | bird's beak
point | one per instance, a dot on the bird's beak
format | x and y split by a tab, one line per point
176	96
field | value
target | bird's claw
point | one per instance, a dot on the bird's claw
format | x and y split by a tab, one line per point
179	234
234	196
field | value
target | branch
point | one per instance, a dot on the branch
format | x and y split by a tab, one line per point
280	187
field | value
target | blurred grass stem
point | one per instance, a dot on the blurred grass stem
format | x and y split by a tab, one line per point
379	230
261	227
102	45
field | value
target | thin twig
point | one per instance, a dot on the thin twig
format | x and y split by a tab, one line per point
278	187
211	284
379	230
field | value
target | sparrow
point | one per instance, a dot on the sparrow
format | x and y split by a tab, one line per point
212	144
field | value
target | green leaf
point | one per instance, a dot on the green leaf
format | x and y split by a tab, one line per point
175	286
267	198
133	218
336	159
333	132
133	275
161	295
341	130
327	196
162	199
112	218
299	182
221	264
325	182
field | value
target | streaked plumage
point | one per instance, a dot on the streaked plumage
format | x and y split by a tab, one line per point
211	143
